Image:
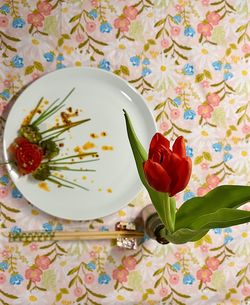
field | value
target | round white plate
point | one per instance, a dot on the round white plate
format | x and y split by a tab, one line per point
101	96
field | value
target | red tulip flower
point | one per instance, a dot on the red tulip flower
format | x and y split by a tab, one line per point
167	170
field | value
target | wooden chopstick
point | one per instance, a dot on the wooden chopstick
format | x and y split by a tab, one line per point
35	236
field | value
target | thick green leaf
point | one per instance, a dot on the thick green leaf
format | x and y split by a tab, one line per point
226	196
182	236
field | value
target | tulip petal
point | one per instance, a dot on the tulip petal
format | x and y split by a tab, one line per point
156	176
157	140
183	169
179	147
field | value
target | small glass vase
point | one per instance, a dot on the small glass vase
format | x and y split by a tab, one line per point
153	224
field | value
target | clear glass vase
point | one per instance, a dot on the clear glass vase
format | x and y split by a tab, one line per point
153	224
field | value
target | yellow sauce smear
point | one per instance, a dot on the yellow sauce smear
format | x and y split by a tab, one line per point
106	147
99	190
94	136
84	177
109	190
88	145
103	134
44	186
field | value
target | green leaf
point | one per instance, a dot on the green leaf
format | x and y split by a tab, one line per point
160	105
74	18
207	74
29	70
207	156
151	41
199	77
60	42
38	66
146	47
9	208
157	283
159	271
181	294
182	47
241	271
226	196
58	297
198	160
97	295
71	283
160	22
9	37
98	41
65	36
150	291
64	290
158	34
124	70
7	295
81	298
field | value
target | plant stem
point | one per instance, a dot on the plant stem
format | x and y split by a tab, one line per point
74	162
72	156
59	183
35	110
73	124
65	168
70	182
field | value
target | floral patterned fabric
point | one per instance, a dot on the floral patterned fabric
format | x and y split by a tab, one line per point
190	61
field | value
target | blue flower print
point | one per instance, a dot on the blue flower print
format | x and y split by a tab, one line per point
228	230
217	230
188	195
227	157
189	151
16	279
16	229
189	114
4	266
177	101
47	227
5	180
59	227
177	19
60	57
104	229
49	56
228	75
188	69
16	194
93	14
104	279
5	94
227	239
146	71
135	61
91	266
217	65
176	267
5	9
104	64
146	62
217	147
17	61
227	66
188	279
105	27
18	23
228	147
60	66
189	31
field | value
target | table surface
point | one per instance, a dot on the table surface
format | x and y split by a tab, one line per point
189	59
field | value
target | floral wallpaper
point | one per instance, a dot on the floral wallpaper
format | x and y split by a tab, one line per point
190	61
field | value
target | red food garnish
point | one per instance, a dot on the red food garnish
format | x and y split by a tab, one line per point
28	156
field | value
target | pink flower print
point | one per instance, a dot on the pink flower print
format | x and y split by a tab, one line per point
163	292
205	2
79	37
129	262
175	30
213	18
130	12
164	126
36	19
202	191
3	105
212	181
205	84
179	8
33	274
204	275
44	8
213	99
92	253
122	23
4	22
204	165
35	76
5	254
165	43
33	247
89	278
205	29
42	262
245	48
204	248
175	114
94	3
177	255
246	291
212	263
90	26
246	128
2	278
174	279
205	111
178	90
120	274
7	83
3	192
78	291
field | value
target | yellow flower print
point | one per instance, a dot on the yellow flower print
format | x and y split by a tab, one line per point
68	50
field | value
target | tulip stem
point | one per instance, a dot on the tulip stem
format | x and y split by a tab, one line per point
168	214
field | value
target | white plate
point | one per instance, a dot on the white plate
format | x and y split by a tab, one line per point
101	96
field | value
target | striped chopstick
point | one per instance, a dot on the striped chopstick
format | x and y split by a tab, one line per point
36	236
